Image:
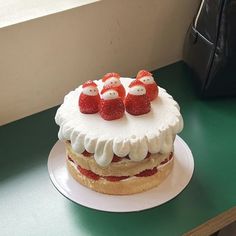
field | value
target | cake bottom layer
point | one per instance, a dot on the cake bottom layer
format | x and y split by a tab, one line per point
130	185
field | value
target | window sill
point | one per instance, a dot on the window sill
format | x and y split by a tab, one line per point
17	11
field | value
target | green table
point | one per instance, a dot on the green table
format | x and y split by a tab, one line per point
30	205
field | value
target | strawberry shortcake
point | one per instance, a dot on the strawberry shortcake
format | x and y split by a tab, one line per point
119	142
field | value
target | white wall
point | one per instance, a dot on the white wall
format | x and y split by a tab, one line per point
43	59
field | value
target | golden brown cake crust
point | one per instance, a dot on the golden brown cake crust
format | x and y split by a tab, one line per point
124	187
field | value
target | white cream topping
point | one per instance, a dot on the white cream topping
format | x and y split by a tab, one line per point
134	135
110	94
90	90
137	90
113	81
147	80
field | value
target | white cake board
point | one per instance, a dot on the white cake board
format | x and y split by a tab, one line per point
170	188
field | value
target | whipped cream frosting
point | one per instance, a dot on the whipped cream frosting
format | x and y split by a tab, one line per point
131	135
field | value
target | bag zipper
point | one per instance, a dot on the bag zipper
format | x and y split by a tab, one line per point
198	14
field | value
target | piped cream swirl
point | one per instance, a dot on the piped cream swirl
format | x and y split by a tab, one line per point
131	135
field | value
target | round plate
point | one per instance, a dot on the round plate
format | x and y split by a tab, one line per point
168	189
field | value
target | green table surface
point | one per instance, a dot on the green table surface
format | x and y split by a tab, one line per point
30	205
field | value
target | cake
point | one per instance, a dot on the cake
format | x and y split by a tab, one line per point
119	142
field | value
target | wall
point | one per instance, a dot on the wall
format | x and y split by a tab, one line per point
44	58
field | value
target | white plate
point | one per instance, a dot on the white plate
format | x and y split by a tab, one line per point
171	187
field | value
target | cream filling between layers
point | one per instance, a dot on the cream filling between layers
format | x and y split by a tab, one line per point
124	167
135	136
129	176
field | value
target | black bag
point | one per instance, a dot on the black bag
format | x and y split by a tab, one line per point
210	47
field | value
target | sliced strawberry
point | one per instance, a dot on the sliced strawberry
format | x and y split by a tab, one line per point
87	154
70	159
88	173
115	178
167	159
116	158
164	162
148	172
148	155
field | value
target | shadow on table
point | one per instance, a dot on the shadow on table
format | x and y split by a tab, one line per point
147	222
107	223
26	143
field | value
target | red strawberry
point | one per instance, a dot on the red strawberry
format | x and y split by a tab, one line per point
116	158
113	80
112	109
115	178
70	159
150	85
136	101
137	105
148	172
152	91
111	105
167	159
88	173
110	75
87	154
121	91
89	98
164	162
89	104
148	155
143	73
